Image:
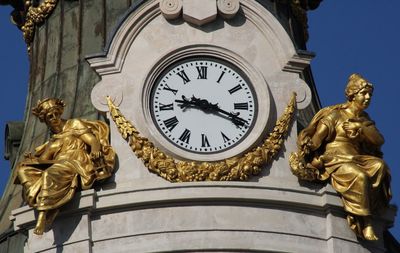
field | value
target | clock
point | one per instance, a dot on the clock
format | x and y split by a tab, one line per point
203	105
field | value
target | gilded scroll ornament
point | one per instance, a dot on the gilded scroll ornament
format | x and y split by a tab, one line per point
235	168
342	144
77	155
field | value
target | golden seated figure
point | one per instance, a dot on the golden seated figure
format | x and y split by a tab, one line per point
342	144
77	154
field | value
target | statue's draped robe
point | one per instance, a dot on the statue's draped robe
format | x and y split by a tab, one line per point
353	165
52	183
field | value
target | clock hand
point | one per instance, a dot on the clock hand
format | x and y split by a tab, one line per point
185	102
234	117
206	106
196	102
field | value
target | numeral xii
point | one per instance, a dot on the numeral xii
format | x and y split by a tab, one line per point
202	71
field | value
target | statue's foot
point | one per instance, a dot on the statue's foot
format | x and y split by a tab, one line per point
39	229
369	233
40	224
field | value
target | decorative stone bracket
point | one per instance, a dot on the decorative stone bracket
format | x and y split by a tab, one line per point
199	12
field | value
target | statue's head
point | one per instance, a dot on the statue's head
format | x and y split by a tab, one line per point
48	108
355	84
359	91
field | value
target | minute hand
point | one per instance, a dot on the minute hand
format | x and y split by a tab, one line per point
234	117
204	105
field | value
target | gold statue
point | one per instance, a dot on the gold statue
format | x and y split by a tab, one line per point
342	144
77	155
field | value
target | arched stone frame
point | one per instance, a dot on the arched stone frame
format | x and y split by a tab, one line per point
254	40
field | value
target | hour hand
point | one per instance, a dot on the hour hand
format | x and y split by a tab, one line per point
184	103
202	104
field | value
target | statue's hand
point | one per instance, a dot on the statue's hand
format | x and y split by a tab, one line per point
28	155
352	128
95	155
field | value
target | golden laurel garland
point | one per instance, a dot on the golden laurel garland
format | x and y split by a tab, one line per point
35	16
238	168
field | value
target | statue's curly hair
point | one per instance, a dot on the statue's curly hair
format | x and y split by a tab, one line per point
355	84
43	107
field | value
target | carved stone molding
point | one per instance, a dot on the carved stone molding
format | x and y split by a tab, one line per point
228	8
171	9
199	12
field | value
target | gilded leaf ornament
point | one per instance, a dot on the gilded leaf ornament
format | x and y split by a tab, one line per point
237	168
35	16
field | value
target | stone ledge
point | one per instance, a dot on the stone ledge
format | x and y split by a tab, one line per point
25	217
243	194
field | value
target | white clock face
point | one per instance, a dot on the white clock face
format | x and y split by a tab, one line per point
203	105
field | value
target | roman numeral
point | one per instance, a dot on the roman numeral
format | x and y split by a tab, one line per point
166	87
202	72
234	89
184	77
224	137
220	77
241	106
166	107
185	136
204	141
171	123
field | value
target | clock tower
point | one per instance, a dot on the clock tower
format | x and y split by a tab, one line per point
204	99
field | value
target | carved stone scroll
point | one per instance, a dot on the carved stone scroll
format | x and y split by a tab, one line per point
171	9
199	12
228	8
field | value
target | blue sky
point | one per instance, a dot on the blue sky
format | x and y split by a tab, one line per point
347	36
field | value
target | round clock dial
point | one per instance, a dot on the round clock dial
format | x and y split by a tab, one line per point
203	105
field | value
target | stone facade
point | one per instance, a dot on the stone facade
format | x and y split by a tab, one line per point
89	49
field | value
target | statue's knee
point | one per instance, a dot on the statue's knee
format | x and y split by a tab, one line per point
358	172
21	173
